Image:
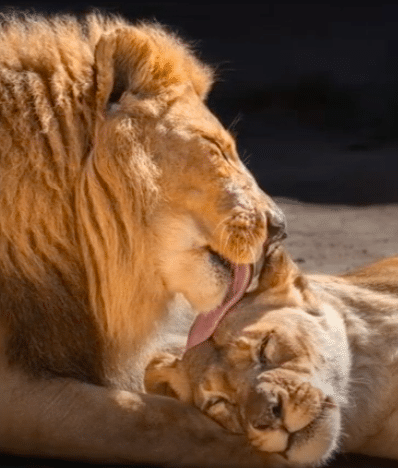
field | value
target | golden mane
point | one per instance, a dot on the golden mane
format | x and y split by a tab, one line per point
57	198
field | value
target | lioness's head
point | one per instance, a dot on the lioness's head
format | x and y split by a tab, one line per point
276	369
206	210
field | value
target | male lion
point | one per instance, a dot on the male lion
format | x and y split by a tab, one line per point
118	189
305	366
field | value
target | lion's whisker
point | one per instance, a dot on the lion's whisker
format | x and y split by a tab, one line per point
224	221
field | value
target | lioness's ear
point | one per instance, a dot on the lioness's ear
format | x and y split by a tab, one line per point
280	272
148	60
278	269
165	375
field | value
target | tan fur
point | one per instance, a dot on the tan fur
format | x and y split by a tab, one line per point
306	366
118	189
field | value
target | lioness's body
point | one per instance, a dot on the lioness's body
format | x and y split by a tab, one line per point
367	301
307	365
118	189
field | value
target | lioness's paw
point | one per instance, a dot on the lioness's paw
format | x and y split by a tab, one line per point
294	418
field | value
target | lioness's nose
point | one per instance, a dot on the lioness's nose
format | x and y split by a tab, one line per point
263	409
276	224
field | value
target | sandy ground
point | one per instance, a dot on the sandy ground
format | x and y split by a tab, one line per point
323	238
334	238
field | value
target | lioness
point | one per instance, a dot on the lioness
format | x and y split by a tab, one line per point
306	366
118	189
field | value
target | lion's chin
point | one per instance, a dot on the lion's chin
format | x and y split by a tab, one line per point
210	273
216	279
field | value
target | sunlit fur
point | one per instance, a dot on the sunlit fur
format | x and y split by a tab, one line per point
114	180
307	365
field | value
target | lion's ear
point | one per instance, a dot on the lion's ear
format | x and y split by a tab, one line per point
164	375
145	60
112	73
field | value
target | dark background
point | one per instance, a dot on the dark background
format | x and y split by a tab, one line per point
310	90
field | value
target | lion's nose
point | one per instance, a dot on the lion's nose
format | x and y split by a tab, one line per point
276	224
264	409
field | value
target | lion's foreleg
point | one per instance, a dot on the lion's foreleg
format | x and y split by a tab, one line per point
69	419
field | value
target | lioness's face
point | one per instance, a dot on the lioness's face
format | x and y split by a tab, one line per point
273	372
214	212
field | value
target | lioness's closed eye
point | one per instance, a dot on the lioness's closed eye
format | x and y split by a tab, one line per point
289	365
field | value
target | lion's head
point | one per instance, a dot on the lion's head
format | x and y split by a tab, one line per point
276	369
197	209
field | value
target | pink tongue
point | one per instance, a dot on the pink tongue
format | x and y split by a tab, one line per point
205	324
